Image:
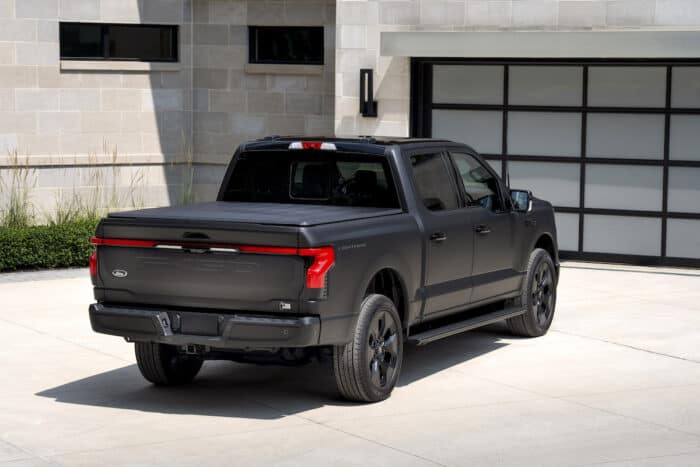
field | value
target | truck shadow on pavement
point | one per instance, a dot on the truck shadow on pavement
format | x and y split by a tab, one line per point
226	389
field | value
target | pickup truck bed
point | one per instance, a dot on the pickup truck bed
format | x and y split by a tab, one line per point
301	215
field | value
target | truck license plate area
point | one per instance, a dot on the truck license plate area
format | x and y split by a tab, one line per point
203	324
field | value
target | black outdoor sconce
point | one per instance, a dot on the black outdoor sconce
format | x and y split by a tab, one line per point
368	106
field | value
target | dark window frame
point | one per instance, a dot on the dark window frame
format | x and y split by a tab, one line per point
105	39
254	39
422	105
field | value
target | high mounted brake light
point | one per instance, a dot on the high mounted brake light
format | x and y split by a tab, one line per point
323	257
316	145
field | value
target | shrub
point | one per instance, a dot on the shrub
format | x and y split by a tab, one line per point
46	246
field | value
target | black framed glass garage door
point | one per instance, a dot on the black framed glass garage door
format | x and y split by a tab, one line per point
615	146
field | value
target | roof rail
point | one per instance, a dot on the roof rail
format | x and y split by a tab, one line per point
369	139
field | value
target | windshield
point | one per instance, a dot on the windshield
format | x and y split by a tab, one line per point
312	177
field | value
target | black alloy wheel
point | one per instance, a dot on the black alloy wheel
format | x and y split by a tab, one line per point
382	349
542	293
368	367
538	297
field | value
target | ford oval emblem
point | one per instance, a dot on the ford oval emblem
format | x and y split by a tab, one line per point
119	273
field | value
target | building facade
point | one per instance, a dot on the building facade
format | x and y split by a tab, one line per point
592	104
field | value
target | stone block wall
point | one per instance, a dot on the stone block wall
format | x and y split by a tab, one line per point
65	122
162	121
360	22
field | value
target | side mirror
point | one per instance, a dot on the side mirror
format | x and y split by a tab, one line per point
521	200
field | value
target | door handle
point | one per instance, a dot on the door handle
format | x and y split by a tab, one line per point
438	237
482	229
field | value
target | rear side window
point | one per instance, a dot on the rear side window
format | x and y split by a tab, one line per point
310	177
434	182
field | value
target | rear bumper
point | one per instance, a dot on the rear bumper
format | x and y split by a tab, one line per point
217	330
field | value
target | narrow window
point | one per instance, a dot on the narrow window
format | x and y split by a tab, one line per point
434	182
135	42
286	45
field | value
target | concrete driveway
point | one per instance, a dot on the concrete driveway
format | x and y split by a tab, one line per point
615	382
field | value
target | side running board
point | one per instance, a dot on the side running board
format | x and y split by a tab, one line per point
451	329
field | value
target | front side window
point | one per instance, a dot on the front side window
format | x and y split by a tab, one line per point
480	186
434	182
311	177
135	42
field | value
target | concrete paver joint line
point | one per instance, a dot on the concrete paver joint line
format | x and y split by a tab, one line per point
355	435
607	341
67	341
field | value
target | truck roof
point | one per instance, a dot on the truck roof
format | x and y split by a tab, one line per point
367	144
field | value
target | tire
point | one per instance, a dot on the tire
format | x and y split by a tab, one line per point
539	296
367	368
163	365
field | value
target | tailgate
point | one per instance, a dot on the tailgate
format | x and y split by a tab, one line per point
196	266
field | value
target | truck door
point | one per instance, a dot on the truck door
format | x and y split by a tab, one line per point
448	234
493	272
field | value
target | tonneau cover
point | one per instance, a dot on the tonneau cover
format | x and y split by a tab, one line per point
258	213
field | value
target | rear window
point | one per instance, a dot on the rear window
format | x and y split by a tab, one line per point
312	177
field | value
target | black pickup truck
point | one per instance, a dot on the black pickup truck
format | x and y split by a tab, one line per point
345	248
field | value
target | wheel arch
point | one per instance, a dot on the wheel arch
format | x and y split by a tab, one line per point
546	242
389	282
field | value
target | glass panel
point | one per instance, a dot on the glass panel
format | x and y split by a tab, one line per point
627	86
555	182
684	189
482	130
622	234
685	137
631	136
467	84
496	165
545	85
567	230
685	87
434	182
479	184
623	187
301	177
275	44
544	133
683	238
149	43
81	41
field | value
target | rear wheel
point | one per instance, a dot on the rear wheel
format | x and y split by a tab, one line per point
163	365
367	368
539	296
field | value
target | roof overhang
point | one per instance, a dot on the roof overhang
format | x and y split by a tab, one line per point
651	44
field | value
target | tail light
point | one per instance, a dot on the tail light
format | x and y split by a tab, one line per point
323	260
93	265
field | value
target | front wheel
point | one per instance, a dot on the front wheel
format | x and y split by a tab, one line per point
163	365
539	297
367	368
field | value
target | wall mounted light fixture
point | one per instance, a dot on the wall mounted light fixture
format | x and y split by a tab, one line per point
368	106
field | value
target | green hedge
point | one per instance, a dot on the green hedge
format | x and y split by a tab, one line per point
46	246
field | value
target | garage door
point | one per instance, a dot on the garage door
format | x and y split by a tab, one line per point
614	146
